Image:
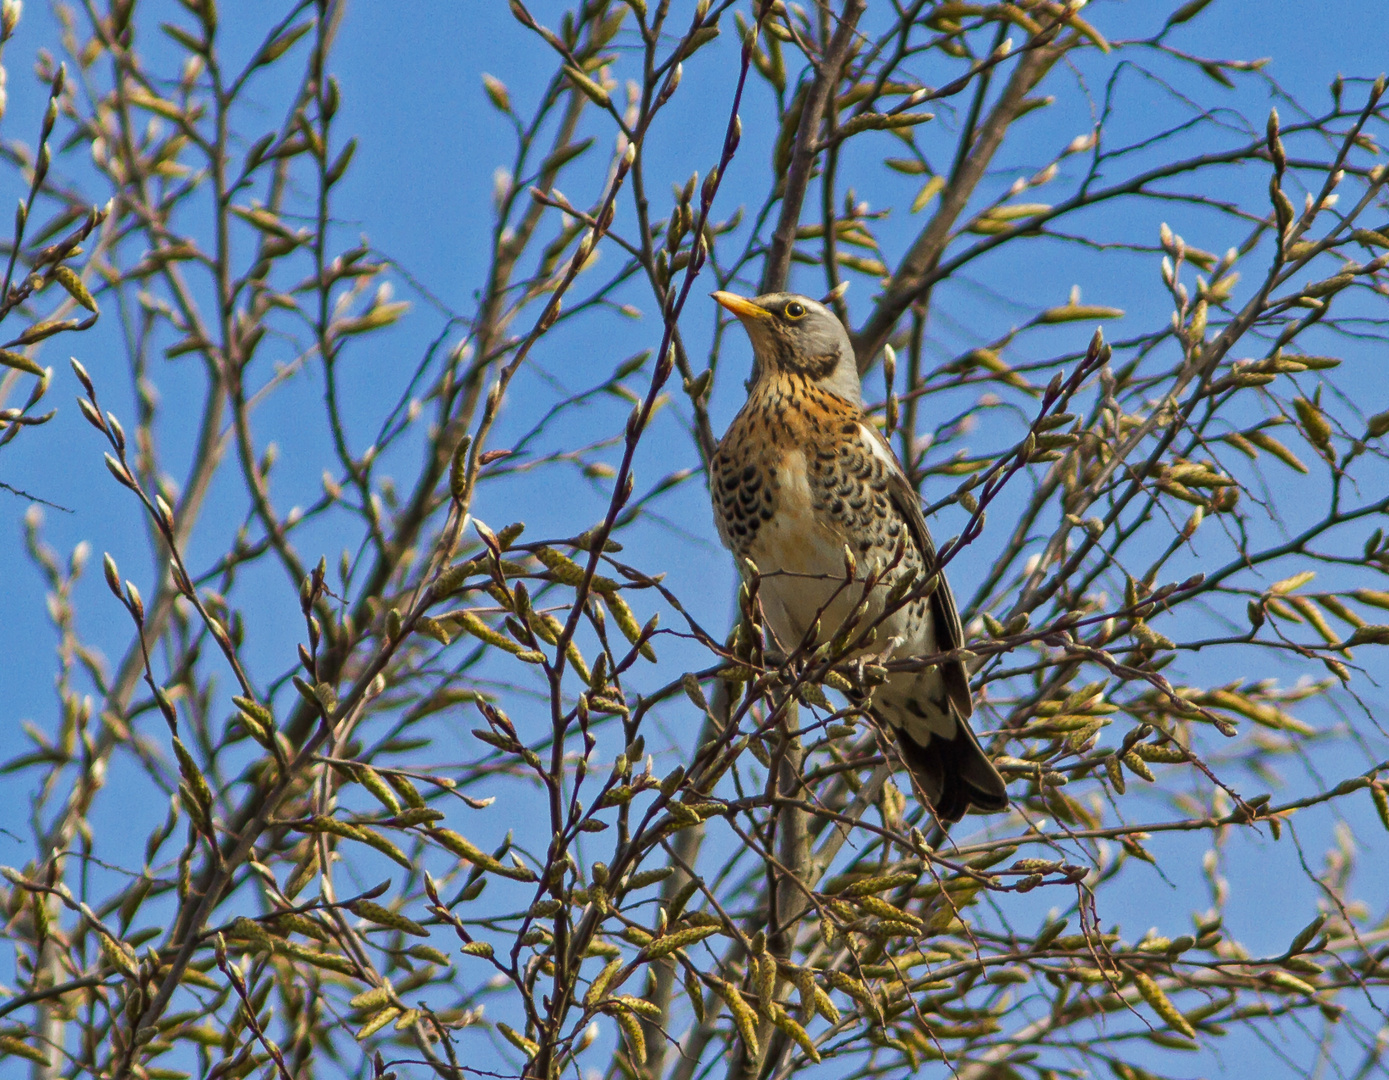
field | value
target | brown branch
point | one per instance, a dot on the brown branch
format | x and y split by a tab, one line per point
777	267
909	282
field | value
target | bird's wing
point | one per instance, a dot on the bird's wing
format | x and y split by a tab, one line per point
946	620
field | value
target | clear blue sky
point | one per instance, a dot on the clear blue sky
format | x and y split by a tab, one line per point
421	189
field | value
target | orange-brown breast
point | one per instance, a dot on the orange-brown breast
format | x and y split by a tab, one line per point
761	492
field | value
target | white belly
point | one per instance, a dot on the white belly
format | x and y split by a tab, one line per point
800	558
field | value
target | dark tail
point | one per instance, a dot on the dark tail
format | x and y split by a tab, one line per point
954	773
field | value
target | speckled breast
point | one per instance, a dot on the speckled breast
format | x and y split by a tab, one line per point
794	482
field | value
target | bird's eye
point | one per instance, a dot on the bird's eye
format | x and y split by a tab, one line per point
794	310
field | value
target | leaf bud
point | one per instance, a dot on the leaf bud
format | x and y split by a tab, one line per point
113	577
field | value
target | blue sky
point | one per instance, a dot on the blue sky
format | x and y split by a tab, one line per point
421	189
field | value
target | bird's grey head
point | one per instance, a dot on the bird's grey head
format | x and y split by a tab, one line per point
796	335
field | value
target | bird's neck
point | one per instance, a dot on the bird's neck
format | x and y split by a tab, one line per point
772	384
788	411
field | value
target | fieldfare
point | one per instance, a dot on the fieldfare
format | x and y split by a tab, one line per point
801	475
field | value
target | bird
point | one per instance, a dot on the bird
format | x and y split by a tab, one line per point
805	488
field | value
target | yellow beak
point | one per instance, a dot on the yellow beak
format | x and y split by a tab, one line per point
741	306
